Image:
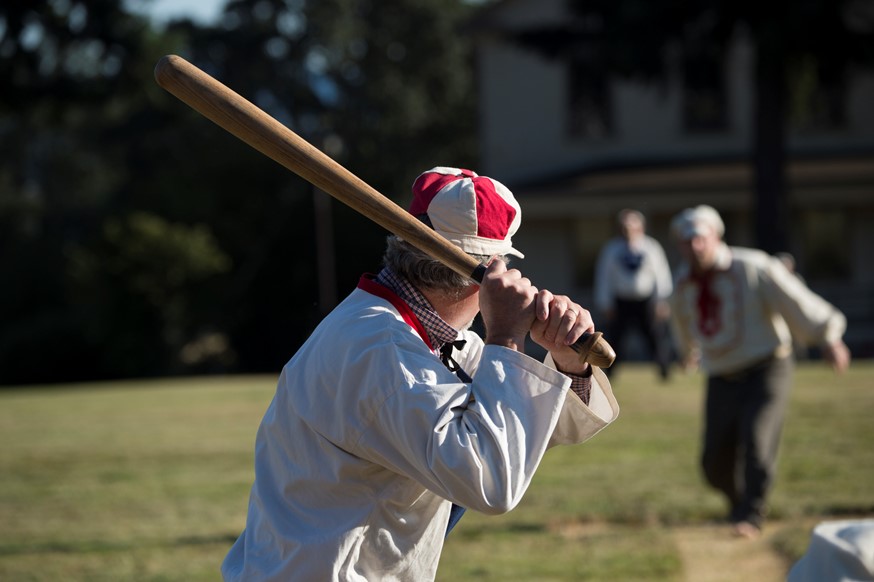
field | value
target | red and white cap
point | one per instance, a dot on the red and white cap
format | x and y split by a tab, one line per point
476	213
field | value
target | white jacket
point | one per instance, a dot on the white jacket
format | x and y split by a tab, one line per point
761	307
614	281
369	437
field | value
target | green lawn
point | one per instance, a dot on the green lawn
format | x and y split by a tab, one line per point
141	481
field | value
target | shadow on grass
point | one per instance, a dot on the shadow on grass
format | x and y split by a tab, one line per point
103	546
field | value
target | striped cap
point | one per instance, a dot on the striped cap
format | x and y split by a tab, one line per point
476	213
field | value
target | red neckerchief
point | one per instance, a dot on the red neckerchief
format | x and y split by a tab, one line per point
366	283
371	285
709	313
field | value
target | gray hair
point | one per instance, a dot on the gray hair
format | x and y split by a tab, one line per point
421	270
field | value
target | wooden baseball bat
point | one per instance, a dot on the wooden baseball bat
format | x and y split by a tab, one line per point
252	125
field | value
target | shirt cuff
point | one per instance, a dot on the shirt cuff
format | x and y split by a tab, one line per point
582	384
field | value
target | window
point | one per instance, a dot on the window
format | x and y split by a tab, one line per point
818	98
704	95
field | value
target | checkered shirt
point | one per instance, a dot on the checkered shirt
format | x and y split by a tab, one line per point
440	333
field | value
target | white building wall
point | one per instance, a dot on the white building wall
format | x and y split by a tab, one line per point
523	108
521	94
523	112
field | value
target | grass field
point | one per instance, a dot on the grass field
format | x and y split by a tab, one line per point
148	481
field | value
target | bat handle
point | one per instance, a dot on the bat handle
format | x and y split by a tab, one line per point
592	347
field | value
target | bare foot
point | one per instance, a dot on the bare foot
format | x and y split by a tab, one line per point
746	530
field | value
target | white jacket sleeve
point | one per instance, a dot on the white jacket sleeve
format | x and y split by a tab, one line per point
811	319
475	444
578	421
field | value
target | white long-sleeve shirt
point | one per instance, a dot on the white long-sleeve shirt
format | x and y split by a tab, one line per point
635	271
369	437
756	308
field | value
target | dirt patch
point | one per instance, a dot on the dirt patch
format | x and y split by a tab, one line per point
711	553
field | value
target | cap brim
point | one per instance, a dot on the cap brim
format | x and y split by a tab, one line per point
485	247
693	229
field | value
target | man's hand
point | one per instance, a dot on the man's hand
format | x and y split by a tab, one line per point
691	361
559	323
838	355
506	300
661	310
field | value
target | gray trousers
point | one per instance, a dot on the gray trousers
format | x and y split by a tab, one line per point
743	420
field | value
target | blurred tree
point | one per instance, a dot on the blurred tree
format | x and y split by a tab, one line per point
385	88
136	238
79	112
66	76
141	275
811	40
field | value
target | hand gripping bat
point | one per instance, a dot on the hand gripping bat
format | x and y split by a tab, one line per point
252	125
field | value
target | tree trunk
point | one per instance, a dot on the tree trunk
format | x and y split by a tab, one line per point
770	202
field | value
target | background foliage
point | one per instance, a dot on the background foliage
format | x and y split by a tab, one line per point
138	239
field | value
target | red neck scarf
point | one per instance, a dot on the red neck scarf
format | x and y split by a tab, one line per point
709	314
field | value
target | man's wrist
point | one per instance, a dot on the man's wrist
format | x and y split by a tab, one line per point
584	373
572	366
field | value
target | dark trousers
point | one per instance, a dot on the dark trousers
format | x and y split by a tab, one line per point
743	420
639	314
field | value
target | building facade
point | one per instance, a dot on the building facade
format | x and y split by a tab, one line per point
577	148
